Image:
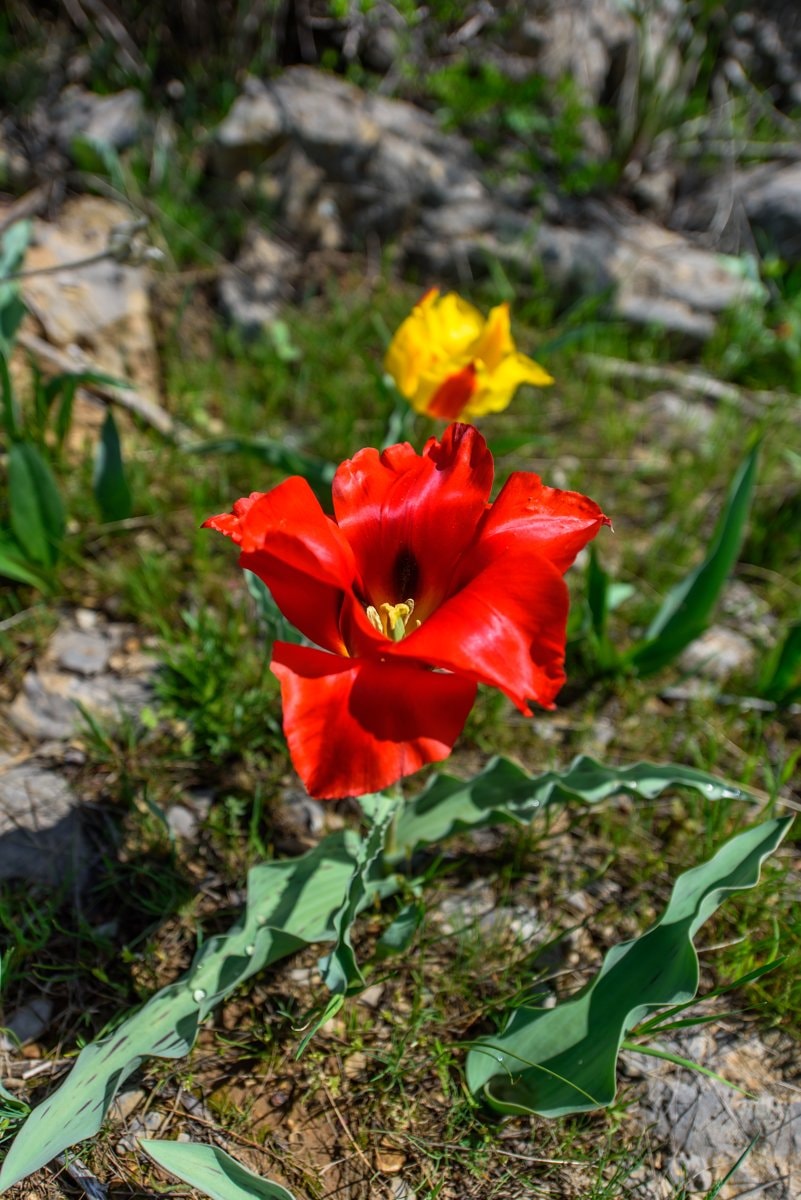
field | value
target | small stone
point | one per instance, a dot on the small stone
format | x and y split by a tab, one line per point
182	822
372	996
83	653
125	1104
355	1064
389	1161
26	1024
86	619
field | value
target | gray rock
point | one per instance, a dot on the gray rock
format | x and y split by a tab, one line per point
117	120
718	653
323	114
707	1126
48	704
347	162
41	839
772	203
654	275
251	294
82	653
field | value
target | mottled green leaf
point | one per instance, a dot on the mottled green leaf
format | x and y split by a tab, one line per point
212	1171
504	792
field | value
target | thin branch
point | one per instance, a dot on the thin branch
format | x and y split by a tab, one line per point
147	410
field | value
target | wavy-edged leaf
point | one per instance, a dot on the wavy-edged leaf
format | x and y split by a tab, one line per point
36	513
562	1060
504	792
289	904
339	969
687	608
212	1171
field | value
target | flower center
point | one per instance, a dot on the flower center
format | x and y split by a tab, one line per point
392	619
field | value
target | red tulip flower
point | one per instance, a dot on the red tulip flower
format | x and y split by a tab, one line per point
418	590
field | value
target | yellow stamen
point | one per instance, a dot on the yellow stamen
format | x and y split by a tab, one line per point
392	619
374	619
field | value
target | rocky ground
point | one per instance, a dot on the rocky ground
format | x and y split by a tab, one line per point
323	171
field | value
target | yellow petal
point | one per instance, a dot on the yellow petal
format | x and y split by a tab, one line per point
495	341
496	388
455	325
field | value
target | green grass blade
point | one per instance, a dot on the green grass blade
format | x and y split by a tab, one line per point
504	792
212	1171
679	1060
562	1060
289	904
687	608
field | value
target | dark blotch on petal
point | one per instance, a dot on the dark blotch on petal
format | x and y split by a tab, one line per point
405	575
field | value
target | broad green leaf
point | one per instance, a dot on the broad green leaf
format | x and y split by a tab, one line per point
276	454
339	968
212	1171
110	485
35	510
290	904
687	608
504	792
13	564
562	1060
782	681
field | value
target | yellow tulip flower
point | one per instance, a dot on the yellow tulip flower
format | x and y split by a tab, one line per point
450	363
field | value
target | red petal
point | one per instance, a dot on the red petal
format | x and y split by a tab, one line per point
409	517
357	725
553	523
289	542
505	626
452	396
231	523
